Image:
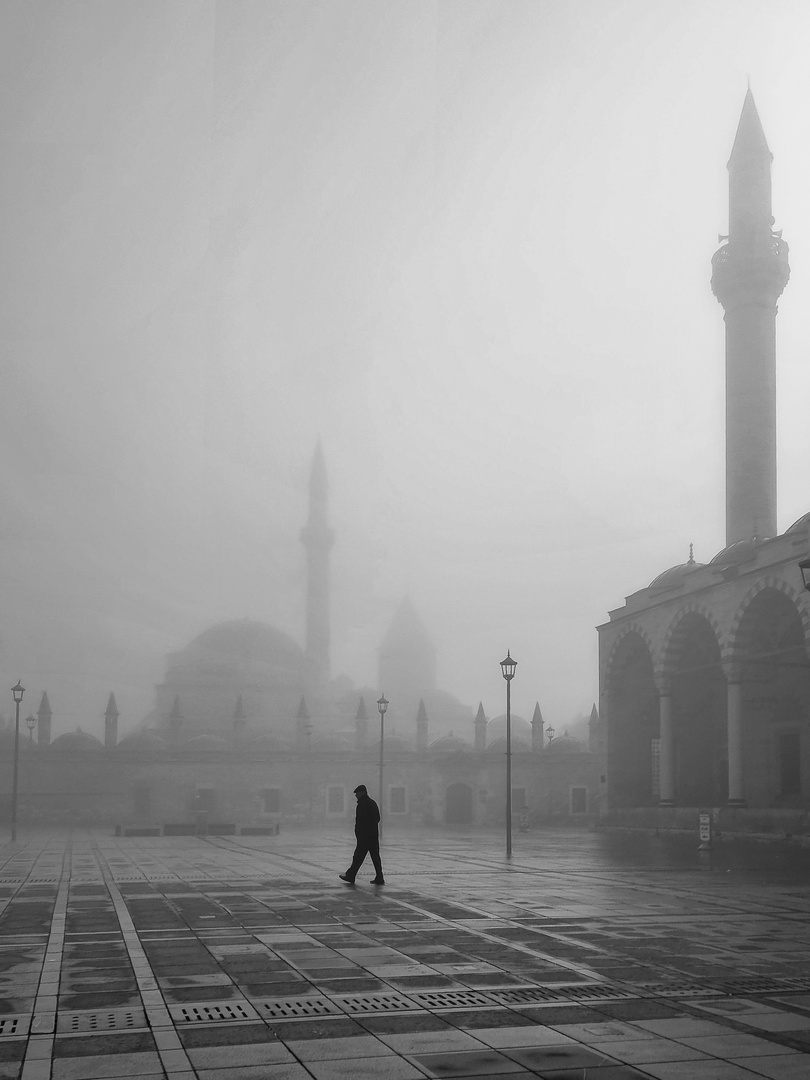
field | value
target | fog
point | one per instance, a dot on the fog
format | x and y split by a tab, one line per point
465	244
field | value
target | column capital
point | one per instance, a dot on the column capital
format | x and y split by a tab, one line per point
663	684
732	669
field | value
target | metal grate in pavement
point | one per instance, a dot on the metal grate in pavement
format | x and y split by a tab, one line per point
101	1020
449	999
295	1008
674	990
579	992
14	1025
798	984
211	1012
374	1003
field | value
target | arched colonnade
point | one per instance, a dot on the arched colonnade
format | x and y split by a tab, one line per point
709	713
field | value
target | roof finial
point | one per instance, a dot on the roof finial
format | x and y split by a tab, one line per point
691	558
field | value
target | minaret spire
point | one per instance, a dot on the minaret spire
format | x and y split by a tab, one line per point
748	276
317	538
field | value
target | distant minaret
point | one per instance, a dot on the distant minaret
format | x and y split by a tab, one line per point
111	715
317	538
748	276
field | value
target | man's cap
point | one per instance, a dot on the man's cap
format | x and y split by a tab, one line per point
361	789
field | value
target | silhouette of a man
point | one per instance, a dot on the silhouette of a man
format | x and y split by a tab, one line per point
366	830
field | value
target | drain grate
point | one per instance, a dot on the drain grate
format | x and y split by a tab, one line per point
101	1020
527	996
674	990
374	1003
14	1025
293	1008
596	992
213	1012
449	999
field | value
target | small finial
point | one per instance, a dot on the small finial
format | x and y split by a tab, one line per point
691	554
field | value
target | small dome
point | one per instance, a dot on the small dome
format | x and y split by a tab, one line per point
335	740
206	744
449	743
77	742
566	744
519	746
521	729
393	743
802	524
142	742
739	552
674	576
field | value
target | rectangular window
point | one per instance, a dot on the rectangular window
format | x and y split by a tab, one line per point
336	800
518	799
271	800
579	800
398	800
790	766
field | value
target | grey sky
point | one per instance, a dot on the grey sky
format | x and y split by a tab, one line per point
468	244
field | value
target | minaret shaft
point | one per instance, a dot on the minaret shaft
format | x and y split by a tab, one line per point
748	276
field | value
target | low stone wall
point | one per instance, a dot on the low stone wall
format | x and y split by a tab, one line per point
726	821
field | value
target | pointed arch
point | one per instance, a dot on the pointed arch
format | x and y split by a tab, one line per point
678	630
632	725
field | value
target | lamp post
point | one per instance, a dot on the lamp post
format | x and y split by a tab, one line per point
550	733
31	724
17	693
382	705
804	566
508	669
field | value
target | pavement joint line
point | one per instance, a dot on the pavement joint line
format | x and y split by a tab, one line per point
157	1013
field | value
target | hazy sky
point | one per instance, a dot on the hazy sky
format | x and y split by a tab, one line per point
465	243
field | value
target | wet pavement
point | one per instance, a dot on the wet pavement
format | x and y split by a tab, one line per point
589	955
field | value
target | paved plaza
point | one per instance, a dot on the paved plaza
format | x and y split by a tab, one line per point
589	955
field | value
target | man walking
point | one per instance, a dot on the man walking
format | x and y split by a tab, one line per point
366	822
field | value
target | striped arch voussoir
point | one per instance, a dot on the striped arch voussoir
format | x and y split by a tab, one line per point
779	585
632	629
673	632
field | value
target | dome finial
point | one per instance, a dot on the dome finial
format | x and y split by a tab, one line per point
691	558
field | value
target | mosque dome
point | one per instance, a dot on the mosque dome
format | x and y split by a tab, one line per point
802	524
448	744
243	658
674	576
205	744
518	745
739	552
335	740
521	729
142	742
566	744
77	742
266	743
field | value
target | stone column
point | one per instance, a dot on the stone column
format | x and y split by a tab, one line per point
666	753
734	721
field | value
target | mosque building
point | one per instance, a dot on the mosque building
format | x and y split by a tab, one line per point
704	674
252	731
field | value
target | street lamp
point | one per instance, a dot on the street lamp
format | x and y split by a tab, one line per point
17	693
804	566
508	669
31	723
382	705
550	733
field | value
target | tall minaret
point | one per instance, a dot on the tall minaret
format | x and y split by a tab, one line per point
748	276
317	538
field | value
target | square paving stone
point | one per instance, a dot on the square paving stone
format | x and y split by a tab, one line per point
734	1044
486	1018
224	1035
477	1063
397	1024
133	1042
365	1046
642	1051
389	1068
415	1042
337	1028
639	1010
283	1071
568	1056
101	1066
779	1067
230	1057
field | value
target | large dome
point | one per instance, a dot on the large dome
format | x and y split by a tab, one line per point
242	657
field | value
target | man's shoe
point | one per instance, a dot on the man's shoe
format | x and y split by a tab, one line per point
377	881
346	878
